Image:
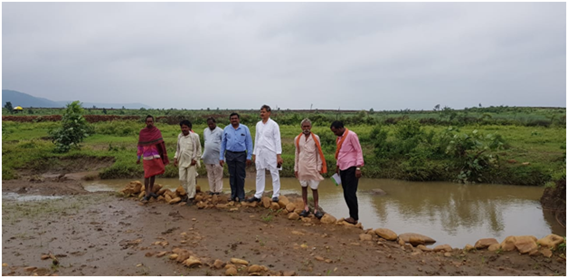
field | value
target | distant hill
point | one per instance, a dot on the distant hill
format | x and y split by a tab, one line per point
26	100
110	105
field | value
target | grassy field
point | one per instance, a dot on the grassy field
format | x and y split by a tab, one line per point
27	146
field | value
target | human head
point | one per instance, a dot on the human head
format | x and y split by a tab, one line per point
149	121
337	128
185	126
306	126
265	112
211	123
234	118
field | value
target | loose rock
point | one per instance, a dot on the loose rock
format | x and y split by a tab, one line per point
161	254
508	244
485	242
526	244
266	202
232	271
494	247
218	264
365	237
424	248
293	216
386	233
192	261
239	261
551	240
298	233
290	207
274	206
181	191
416	239
283	201
328	219
444	247
546	252
256	268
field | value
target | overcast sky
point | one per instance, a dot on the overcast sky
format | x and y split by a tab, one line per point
385	56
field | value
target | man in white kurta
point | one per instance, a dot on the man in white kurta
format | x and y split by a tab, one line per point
212	135
267	154
187	156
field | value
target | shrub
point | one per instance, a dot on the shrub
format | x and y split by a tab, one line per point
73	130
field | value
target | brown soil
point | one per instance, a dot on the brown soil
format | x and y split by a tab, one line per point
104	234
71	167
554	199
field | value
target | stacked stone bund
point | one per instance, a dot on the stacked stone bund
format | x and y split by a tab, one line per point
292	209
136	188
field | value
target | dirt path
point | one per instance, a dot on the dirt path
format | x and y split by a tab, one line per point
104	234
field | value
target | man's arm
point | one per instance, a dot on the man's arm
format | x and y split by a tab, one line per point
278	145
248	143
296	156
255	139
223	146
319	162
358	149
178	151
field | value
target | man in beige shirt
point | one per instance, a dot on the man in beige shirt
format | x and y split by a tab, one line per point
187	156
309	165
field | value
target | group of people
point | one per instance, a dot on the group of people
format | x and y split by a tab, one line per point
233	146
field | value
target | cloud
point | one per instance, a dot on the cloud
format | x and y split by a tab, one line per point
291	55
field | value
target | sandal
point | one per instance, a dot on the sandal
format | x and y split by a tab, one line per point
350	220
304	213
318	214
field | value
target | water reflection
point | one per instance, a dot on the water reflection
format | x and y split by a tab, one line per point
450	213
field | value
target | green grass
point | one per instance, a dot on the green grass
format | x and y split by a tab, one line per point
27	146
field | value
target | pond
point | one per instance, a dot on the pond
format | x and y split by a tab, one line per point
450	213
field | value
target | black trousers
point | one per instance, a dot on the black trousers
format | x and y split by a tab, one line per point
349	182
237	161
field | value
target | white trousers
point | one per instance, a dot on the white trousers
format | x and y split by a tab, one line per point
187	178
215	177
260	182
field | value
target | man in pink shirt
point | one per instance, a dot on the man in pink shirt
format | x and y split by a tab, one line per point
349	162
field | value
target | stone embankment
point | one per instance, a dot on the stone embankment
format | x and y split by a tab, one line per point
293	206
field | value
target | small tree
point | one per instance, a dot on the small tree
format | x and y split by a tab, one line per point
9	107
73	130
437	107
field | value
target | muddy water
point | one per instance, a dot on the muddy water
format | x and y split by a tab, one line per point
450	213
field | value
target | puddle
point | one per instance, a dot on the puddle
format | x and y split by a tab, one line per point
451	213
28	198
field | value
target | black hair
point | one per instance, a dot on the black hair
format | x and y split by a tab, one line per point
266	107
337	124
234	114
149	116
185	122
211	119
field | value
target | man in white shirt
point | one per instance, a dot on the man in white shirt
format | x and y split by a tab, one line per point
267	154
186	158
212	136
